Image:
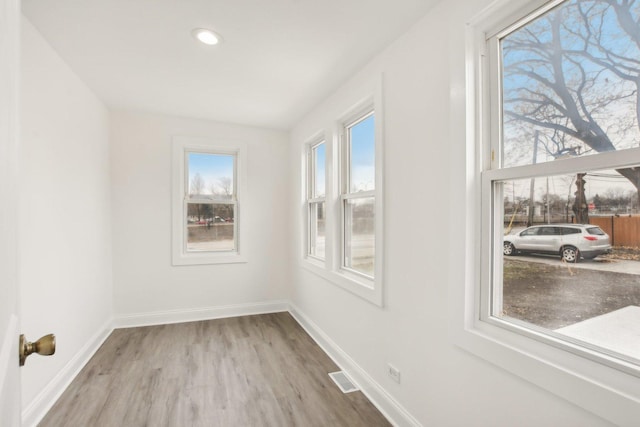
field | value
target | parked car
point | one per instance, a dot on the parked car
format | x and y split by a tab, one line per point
570	241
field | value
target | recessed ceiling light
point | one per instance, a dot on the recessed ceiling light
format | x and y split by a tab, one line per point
206	36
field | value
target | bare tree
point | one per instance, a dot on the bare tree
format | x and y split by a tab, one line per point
618	52
196	186
226	185
563	78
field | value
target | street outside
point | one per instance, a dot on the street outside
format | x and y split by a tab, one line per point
212	237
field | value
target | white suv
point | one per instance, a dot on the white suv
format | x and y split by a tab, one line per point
570	241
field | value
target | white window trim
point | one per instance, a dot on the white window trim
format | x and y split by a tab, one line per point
181	145
611	393
360	114
310	176
371	290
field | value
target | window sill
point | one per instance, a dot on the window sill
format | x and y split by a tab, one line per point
575	378
208	259
369	290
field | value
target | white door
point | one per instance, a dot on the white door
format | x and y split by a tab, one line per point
9	315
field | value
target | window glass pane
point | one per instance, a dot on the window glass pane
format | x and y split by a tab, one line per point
570	83
567	230
316	229
596	299
359	251
362	155
210	227
595	230
318	154
533	231
211	175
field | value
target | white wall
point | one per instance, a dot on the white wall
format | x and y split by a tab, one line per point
147	287
66	209
9	159
441	384
65	225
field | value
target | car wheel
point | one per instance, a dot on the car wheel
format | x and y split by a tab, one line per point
570	254
508	249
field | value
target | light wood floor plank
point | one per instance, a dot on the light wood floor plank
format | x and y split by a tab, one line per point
245	371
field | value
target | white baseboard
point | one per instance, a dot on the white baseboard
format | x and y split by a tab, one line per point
390	408
197	314
33	413
378	396
9	377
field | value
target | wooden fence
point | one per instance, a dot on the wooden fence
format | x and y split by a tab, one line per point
623	230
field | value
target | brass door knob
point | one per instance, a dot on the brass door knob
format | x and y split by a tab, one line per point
45	346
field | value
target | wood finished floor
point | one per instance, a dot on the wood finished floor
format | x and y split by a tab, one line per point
246	371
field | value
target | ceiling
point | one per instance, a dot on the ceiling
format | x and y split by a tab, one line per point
279	58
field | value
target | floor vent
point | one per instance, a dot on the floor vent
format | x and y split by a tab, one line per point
342	380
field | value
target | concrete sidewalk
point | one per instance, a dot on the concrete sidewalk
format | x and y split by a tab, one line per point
618	331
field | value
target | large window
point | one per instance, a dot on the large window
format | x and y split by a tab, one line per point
358	195
343	198
206	202
316	200
562	150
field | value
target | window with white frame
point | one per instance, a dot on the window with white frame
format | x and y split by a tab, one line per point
343	200
358	195
316	200
562	149
206	201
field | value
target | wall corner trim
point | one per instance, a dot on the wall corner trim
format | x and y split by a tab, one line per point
35	411
379	397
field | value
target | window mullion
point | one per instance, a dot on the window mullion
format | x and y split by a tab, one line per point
608	160
359	195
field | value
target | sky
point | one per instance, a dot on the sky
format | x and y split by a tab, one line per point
618	119
363	155
522	51
320	158
362	139
211	167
